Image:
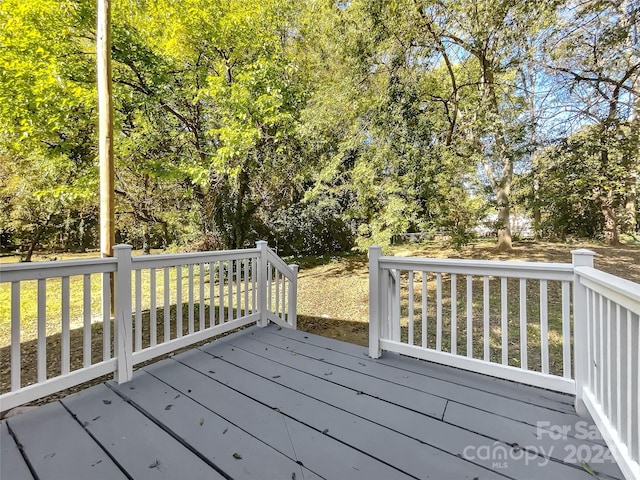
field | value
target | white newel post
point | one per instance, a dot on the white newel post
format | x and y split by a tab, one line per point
581	258
262	283
293	298
123	321
374	302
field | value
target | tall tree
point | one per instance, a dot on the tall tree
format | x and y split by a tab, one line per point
47	103
487	39
222	71
595	51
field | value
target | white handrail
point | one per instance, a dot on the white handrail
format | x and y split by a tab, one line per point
18	272
450	285
606	330
608	362
172	260
281	290
279	264
237	281
624	292
497	268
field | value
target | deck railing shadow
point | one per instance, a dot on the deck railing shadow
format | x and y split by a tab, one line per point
29	350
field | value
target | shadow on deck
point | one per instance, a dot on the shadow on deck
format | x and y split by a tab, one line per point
282	404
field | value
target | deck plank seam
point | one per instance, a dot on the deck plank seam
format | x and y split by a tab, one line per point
169	432
422	442
444	412
21	450
290	335
455	426
96	441
276	409
381	361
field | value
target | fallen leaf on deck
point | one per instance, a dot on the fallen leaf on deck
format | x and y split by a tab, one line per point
237	456
588	469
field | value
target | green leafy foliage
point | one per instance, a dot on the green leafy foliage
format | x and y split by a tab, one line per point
320	125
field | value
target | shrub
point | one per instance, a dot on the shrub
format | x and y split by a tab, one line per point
309	228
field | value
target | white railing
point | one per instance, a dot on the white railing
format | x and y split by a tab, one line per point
161	303
477	315
608	361
282	284
518	321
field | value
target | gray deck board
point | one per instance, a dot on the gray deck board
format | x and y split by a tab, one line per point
407	454
292	405
397	394
208	433
141	447
57	447
293	439
414	374
545	398
497	427
12	464
447	436
496	386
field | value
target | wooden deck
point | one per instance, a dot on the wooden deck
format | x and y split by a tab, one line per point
282	404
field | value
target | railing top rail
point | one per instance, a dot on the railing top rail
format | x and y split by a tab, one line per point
625	292
12	272
549	271
280	264
166	260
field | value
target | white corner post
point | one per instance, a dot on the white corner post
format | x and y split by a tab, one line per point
581	258
123	321
262	283
375	253
293	298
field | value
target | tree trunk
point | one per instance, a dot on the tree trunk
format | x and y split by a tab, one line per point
610	225
34	241
630	224
537	216
606	202
146	237
631	201
504	214
240	217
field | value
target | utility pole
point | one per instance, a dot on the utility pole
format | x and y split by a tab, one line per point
105	143
105	134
